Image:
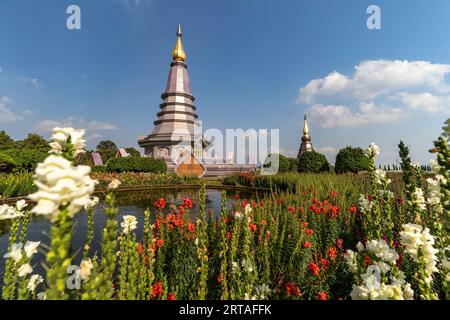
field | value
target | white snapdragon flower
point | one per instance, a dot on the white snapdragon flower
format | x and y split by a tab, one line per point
364	204
30	248
350	259
34	281
419	198
8	212
248	209
419	244
42	296
435	167
380	176
61	185
20	205
372	151
238	215
434	190
85	269
114	184
129	224
60	139
24	270
15	253
95	201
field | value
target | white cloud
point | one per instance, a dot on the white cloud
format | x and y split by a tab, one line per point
6	115
94	136
374	78
33	81
329	116
48	125
425	101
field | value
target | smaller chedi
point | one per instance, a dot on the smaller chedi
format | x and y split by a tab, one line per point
306	145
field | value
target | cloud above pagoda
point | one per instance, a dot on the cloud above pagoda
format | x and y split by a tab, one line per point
379	91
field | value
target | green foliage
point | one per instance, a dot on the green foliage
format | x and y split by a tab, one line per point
5	141
99	169
313	162
35	142
446	128
278	161
84	159
133	152
136	164
16	184
107	149
351	159
293	162
7	163
26	159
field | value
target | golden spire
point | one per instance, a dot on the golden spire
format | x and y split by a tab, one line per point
178	53
305	127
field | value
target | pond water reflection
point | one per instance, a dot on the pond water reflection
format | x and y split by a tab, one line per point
129	203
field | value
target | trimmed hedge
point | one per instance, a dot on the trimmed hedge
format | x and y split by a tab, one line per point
136	164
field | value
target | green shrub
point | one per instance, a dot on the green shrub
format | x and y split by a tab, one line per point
278	161
7	163
99	169
16	184
26	159
351	160
313	162
136	164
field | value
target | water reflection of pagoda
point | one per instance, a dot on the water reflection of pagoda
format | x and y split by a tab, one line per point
176	127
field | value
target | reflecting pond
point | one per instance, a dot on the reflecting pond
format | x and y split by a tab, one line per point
129	203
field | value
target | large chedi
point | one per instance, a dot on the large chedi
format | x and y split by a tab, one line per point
175	125
306	145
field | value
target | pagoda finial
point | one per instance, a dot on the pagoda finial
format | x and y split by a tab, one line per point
178	53
305	127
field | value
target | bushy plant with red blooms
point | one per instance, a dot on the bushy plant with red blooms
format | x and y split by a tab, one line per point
160	203
291	290
314	268
322	295
171	296
157	290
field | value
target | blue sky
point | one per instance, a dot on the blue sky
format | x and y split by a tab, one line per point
253	64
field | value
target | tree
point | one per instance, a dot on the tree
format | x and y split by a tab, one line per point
26	159
313	162
133	152
278	161
351	159
34	141
446	128
107	149
7	163
293	164
6	142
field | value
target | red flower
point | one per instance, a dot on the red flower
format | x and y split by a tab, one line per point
244	204
236	197
314	268
309	231
333	194
334	211
332	253
228	235
191	227
160	203
157	290
307	244
367	260
353	209
171	296
324	263
291	209
400	201
305	224
253	227
322	295
139	248
292	289
160	243
187	203
339	244
263	222
219	278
